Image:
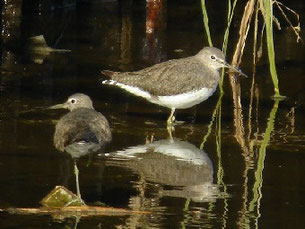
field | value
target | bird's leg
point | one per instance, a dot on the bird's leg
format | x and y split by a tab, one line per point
76	172
171	118
77	200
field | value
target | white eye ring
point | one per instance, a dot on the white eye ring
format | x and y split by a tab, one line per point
213	57
73	101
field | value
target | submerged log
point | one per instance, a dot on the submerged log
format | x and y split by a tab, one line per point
81	211
61	203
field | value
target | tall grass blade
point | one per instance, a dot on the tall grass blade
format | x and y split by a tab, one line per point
206	22
231	8
267	10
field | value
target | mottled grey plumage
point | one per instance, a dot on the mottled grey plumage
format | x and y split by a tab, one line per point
176	84
82	131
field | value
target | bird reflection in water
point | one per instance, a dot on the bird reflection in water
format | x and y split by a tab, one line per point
82	131
179	168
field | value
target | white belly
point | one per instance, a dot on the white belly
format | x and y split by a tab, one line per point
181	101
186	100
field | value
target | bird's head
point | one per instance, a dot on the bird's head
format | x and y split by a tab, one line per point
75	101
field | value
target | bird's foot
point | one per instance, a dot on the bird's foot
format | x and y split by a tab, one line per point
171	121
177	122
75	202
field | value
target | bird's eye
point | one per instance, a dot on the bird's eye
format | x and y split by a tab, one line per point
213	57
73	101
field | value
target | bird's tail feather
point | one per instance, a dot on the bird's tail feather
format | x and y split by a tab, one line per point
107	73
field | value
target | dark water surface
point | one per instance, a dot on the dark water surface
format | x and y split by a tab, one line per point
249	173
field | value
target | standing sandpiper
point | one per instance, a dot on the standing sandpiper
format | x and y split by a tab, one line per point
176	84
81	131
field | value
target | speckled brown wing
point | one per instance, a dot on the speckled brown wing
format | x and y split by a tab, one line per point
64	130
169	78
81	125
100	126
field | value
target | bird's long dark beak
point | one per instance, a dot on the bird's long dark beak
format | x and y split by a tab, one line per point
59	106
235	70
226	65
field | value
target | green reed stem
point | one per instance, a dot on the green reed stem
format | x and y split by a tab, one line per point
267	10
230	15
206	22
231	8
